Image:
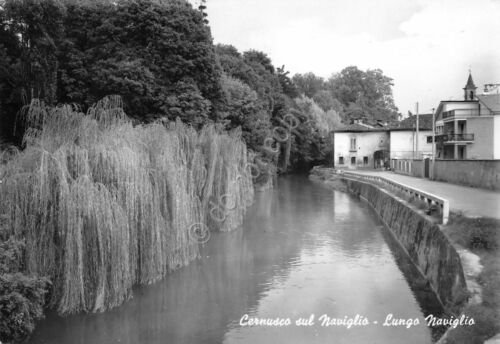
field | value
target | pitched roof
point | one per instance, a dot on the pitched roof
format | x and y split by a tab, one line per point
356	127
409	123
491	101
470	83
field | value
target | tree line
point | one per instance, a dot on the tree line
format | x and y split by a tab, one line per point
160	57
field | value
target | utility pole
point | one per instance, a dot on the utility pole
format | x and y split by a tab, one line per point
433	142
417	131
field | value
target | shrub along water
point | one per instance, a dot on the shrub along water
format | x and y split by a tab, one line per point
102	205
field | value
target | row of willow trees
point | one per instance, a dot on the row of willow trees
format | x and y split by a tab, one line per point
160	58
94	205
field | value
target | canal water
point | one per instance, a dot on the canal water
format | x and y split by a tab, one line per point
303	251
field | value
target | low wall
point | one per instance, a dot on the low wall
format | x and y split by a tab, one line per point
477	173
411	167
424	242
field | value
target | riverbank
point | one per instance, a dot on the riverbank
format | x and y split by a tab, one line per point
481	237
477	241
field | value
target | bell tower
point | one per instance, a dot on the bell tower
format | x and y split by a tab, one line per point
470	88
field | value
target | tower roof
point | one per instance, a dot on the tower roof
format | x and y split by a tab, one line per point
470	83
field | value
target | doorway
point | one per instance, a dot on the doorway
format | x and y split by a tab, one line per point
461	152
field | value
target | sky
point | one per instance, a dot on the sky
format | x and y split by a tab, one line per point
426	46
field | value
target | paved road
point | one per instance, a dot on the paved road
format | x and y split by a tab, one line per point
471	202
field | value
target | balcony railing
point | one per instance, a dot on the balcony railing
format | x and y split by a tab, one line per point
460	113
454	137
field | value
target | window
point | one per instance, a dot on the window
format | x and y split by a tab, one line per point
353	160
353	144
341	160
365	160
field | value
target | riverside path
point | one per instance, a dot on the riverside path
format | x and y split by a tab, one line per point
472	202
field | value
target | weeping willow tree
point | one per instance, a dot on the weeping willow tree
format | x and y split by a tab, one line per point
103	205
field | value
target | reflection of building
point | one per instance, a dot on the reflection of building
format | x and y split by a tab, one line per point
469	128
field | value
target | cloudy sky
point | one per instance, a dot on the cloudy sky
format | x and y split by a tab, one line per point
426	46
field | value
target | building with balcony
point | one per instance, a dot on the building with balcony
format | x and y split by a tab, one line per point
469	128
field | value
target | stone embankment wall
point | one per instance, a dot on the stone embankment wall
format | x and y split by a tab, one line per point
427	246
424	242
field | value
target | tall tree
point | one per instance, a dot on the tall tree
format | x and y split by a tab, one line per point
308	84
158	55
286	83
30	34
202	7
243	109
38	26
366	95
325	99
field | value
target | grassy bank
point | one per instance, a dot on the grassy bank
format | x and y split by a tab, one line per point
101	205
482	237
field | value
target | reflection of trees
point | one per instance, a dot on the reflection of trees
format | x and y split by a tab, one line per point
356	226
196	303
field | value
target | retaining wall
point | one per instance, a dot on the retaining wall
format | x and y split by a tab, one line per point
426	245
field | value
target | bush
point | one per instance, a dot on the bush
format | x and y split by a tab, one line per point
10	255
21	304
21	297
478	233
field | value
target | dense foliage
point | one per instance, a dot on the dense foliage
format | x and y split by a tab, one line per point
103	205
353	93
76	171
260	98
22	297
159	56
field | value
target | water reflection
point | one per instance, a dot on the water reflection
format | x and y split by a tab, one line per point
303	250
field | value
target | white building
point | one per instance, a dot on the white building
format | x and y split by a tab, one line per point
469	128
362	146
359	146
406	143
